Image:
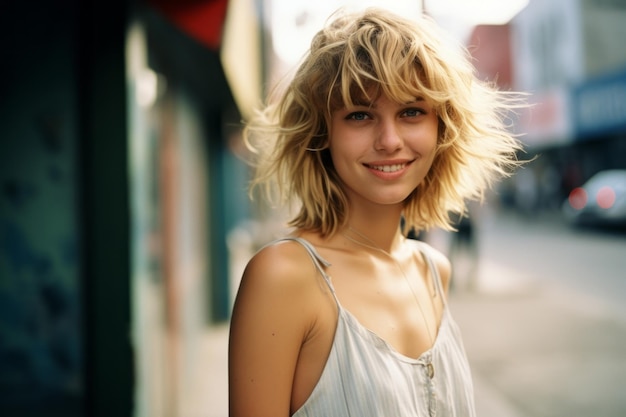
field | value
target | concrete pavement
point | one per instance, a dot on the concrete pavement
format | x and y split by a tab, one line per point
538	350
535	351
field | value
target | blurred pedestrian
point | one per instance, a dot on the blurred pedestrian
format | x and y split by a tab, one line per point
463	253
384	119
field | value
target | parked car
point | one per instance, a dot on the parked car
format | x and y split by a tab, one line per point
601	201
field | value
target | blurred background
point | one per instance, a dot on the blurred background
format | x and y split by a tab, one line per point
125	221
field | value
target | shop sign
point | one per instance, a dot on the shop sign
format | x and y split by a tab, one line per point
600	107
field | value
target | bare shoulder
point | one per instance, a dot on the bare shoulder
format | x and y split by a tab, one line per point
281	276
283	263
274	312
440	260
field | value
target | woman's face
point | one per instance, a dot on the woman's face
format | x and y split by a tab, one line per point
383	150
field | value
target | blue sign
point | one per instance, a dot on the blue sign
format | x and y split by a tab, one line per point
599	107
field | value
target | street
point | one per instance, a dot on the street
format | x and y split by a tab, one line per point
590	262
545	330
544	327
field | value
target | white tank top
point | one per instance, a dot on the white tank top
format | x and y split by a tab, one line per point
365	376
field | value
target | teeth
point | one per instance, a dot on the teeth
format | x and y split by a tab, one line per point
388	168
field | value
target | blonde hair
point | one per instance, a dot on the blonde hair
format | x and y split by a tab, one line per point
375	50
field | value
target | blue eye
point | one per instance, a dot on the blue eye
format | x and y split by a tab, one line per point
357	116
413	112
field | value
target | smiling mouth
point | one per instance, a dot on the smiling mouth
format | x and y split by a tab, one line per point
388	168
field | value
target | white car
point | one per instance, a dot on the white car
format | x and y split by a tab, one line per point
600	201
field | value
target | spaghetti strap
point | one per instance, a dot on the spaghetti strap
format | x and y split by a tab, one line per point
434	272
320	263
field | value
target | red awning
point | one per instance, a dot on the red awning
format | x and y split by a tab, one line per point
202	20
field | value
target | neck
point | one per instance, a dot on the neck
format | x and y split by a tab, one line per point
375	224
386	237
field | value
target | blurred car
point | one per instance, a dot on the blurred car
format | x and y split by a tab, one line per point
601	201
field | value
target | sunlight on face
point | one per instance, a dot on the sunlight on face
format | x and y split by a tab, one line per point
383	150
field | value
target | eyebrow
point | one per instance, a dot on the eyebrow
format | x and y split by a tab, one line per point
417	100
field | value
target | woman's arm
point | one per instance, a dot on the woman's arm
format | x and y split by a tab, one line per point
267	330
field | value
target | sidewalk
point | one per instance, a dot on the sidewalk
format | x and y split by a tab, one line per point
535	351
538	351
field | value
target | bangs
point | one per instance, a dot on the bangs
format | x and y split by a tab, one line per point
379	62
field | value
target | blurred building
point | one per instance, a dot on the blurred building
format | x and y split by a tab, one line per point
120	178
569	55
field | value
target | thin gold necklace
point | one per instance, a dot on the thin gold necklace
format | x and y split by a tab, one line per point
372	245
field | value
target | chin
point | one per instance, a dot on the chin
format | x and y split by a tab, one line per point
393	200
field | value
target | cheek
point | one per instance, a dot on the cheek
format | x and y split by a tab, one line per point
339	159
333	154
339	149
426	142
433	133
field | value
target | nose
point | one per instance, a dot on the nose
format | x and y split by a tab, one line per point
388	138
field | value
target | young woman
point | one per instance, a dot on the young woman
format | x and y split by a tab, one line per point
384	121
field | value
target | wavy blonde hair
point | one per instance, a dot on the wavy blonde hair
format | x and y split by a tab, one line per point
375	50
